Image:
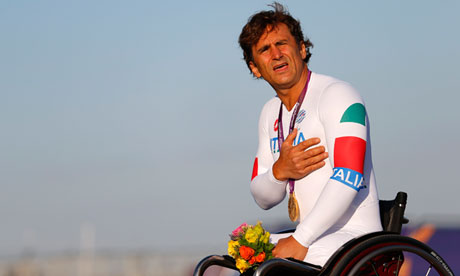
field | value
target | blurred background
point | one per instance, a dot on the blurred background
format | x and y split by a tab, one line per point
129	128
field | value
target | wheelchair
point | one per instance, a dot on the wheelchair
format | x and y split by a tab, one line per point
379	253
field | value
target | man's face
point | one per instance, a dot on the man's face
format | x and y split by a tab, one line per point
277	58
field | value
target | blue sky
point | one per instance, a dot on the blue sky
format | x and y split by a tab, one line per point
139	117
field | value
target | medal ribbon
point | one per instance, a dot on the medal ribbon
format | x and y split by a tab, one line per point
291	125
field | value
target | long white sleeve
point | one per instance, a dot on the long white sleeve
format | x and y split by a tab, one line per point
343	116
265	188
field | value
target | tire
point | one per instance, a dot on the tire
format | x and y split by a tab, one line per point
385	254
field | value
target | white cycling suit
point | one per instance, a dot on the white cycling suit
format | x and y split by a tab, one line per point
339	201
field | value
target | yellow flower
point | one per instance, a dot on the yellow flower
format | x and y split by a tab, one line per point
258	228
262	237
232	251
242	265
266	237
251	235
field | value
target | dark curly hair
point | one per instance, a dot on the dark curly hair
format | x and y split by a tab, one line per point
259	22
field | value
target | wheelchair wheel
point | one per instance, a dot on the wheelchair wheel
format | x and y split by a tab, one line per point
391	254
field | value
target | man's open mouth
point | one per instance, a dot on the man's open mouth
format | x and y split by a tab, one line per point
280	66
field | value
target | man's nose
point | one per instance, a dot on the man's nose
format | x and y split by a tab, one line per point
276	53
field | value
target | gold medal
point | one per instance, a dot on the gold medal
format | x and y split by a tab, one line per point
293	207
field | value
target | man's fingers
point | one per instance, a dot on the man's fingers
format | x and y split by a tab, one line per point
314	167
275	252
290	139
308	143
309	161
310	168
313	152
304	155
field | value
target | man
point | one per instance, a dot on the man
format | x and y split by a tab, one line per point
336	199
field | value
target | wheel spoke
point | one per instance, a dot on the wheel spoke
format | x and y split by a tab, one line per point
373	267
399	261
429	269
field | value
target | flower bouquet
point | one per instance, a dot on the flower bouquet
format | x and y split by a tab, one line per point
250	246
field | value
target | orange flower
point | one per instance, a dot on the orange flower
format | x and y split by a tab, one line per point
252	260
246	252
261	257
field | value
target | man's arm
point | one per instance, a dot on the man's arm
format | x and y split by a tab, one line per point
343	116
344	119
265	188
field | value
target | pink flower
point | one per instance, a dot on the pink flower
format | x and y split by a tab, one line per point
239	230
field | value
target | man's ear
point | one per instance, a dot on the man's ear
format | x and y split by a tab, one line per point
254	69
303	50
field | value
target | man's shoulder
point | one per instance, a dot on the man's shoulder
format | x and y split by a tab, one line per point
331	87
324	81
335	95
269	112
272	104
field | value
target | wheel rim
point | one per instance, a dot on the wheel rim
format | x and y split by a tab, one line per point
431	259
